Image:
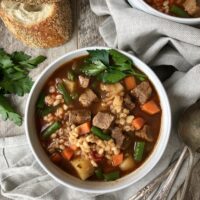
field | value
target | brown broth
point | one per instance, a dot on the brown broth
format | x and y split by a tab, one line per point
153	120
159	5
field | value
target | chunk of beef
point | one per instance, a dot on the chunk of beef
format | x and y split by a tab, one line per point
118	136
83	81
145	133
191	7
122	140
87	98
128	102
102	120
142	92
79	116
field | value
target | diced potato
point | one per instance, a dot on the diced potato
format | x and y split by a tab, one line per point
70	85
83	167
127	164
112	89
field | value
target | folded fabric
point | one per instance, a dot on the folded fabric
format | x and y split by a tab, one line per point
22	178
155	41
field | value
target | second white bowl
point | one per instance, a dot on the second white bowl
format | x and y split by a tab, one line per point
142	5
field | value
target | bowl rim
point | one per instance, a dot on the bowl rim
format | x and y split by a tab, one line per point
140	172
173	18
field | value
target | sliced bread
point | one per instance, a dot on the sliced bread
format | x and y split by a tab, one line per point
44	26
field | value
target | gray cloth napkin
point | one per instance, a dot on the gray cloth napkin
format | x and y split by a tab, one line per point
156	41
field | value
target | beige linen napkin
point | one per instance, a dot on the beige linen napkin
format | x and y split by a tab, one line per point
156	42
22	178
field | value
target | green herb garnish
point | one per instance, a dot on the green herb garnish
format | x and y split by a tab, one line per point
14	79
110	66
8	112
94	68
99	55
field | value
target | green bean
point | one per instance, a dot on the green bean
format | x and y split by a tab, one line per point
178	11
71	75
111	176
99	133
99	174
50	130
61	88
46	110
139	151
40	103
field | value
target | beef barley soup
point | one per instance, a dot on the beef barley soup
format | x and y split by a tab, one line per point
98	117
178	8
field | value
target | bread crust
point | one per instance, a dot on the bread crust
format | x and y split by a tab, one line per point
53	31
36	2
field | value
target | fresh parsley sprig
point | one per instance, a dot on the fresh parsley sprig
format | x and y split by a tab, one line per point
14	79
8	112
110	66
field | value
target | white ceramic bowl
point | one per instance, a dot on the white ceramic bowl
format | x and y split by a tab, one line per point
91	186
142	5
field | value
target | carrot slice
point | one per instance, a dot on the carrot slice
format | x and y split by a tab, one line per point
130	82
117	159
67	153
73	147
56	157
150	107
84	128
138	123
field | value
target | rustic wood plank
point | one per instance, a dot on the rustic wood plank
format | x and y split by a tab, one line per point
88	34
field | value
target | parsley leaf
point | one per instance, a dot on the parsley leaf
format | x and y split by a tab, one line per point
110	66
94	68
32	63
140	76
99	55
121	60
112	76
5	61
21	87
2	51
14	79
19	56
7	112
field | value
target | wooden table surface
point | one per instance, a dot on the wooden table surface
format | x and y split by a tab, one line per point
85	34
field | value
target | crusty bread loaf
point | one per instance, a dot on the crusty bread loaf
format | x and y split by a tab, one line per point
45	25
36	2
